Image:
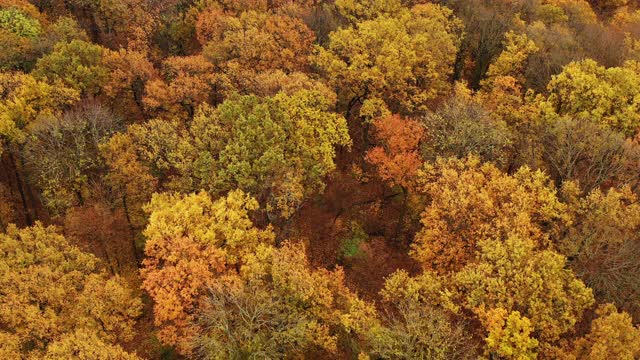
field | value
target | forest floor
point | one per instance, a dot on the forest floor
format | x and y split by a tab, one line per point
326	223
356	198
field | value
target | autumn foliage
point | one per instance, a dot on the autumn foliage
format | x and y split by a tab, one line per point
472	201
397	159
319	179
56	295
191	241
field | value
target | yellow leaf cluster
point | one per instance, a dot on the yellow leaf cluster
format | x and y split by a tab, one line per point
588	91
404	59
191	240
471	201
509	335
52	290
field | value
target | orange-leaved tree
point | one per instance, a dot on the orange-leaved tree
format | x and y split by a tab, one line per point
471	201
191	240
396	157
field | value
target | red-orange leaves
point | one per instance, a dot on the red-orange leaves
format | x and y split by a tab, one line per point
397	157
191	240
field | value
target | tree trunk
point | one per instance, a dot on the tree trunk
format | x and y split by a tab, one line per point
132	230
403	213
20	185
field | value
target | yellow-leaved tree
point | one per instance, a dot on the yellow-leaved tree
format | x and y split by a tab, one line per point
471	201
514	274
609	97
512	61
491	236
24	100
509	335
56	297
612	336
417	321
278	307
404	58
191	240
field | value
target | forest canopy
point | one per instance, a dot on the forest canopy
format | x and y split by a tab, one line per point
320	179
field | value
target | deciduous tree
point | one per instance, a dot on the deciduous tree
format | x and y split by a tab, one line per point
509	335
602	245
589	153
120	23
192	240
24	100
129	177
62	156
513	59
279	148
14	20
254	41
513	274
185	83
52	290
21	25
77	65
129	72
526	115
592	92
397	158
277	306
416	323
404	59
612	336
461	126
471	201
557	46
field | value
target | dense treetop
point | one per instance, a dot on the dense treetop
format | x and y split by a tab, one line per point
319	179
